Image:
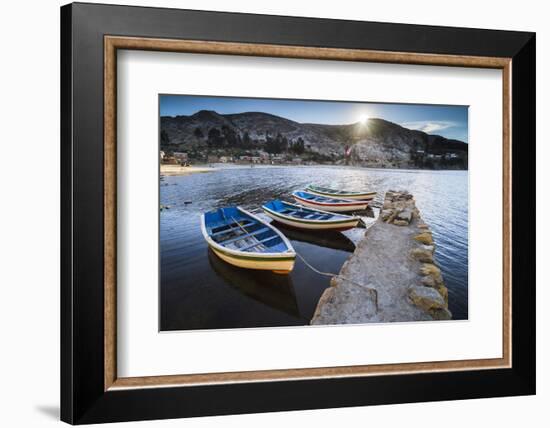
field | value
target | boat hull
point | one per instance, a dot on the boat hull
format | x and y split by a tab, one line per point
336	208
310	225
367	196
281	261
282	265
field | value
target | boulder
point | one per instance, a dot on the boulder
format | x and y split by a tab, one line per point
405	215
423	255
401	223
444	292
385	214
441	314
429	281
424	238
426	298
345	302
430	248
431	270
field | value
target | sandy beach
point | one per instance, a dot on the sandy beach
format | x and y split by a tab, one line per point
184	170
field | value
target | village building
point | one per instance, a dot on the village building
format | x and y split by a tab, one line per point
181	157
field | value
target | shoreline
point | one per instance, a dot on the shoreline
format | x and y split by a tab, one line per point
184	170
203	168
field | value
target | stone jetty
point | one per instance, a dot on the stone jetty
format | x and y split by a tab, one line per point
392	275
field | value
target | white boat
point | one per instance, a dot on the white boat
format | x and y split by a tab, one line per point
308	218
329	204
334	193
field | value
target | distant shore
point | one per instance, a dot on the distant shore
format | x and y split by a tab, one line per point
184	170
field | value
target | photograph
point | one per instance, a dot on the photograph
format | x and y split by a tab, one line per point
291	212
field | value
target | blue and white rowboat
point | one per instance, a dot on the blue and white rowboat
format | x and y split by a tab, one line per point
307	218
328	204
244	240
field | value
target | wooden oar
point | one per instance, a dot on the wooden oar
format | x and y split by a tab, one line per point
247	232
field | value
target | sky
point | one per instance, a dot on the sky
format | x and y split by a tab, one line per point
447	121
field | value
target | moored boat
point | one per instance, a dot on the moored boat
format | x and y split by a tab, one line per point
335	193
244	240
328	204
308	218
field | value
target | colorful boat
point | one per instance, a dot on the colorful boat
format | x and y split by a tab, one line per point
333	193
244	240
307	218
329	204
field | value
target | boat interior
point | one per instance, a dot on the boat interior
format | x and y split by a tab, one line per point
298	212
233	229
324	199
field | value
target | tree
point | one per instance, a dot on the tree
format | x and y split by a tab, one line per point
164	139
215	139
230	136
247	142
198	132
299	146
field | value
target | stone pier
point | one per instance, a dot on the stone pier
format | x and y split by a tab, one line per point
392	275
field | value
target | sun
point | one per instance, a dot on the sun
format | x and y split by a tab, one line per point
363	118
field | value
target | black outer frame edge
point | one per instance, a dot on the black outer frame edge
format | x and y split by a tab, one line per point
66	304
524	217
83	398
300	31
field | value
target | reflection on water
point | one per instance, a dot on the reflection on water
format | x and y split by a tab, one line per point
271	289
200	291
326	238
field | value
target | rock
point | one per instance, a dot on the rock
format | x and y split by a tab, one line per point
345	303
426	298
444	292
385	214
392	216
429	248
429	281
430	269
441	314
422	255
422	226
424	238
400	223
405	215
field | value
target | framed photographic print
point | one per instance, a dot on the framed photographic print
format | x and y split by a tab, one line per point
265	213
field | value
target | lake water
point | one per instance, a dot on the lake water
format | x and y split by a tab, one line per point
199	291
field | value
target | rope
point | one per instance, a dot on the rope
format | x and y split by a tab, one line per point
331	275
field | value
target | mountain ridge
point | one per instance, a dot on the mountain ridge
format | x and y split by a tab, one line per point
378	142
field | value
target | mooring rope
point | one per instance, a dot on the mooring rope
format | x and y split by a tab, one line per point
331	275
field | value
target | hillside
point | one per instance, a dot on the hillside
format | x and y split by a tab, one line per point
376	143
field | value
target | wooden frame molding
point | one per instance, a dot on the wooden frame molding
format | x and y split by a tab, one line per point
113	43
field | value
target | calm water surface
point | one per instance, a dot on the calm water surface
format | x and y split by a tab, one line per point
200	291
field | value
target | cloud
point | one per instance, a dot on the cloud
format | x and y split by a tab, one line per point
429	126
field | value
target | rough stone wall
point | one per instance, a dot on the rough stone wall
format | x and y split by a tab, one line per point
391	276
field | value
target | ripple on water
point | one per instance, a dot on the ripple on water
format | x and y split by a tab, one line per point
196	292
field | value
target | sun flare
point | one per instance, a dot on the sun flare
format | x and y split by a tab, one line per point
363	118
